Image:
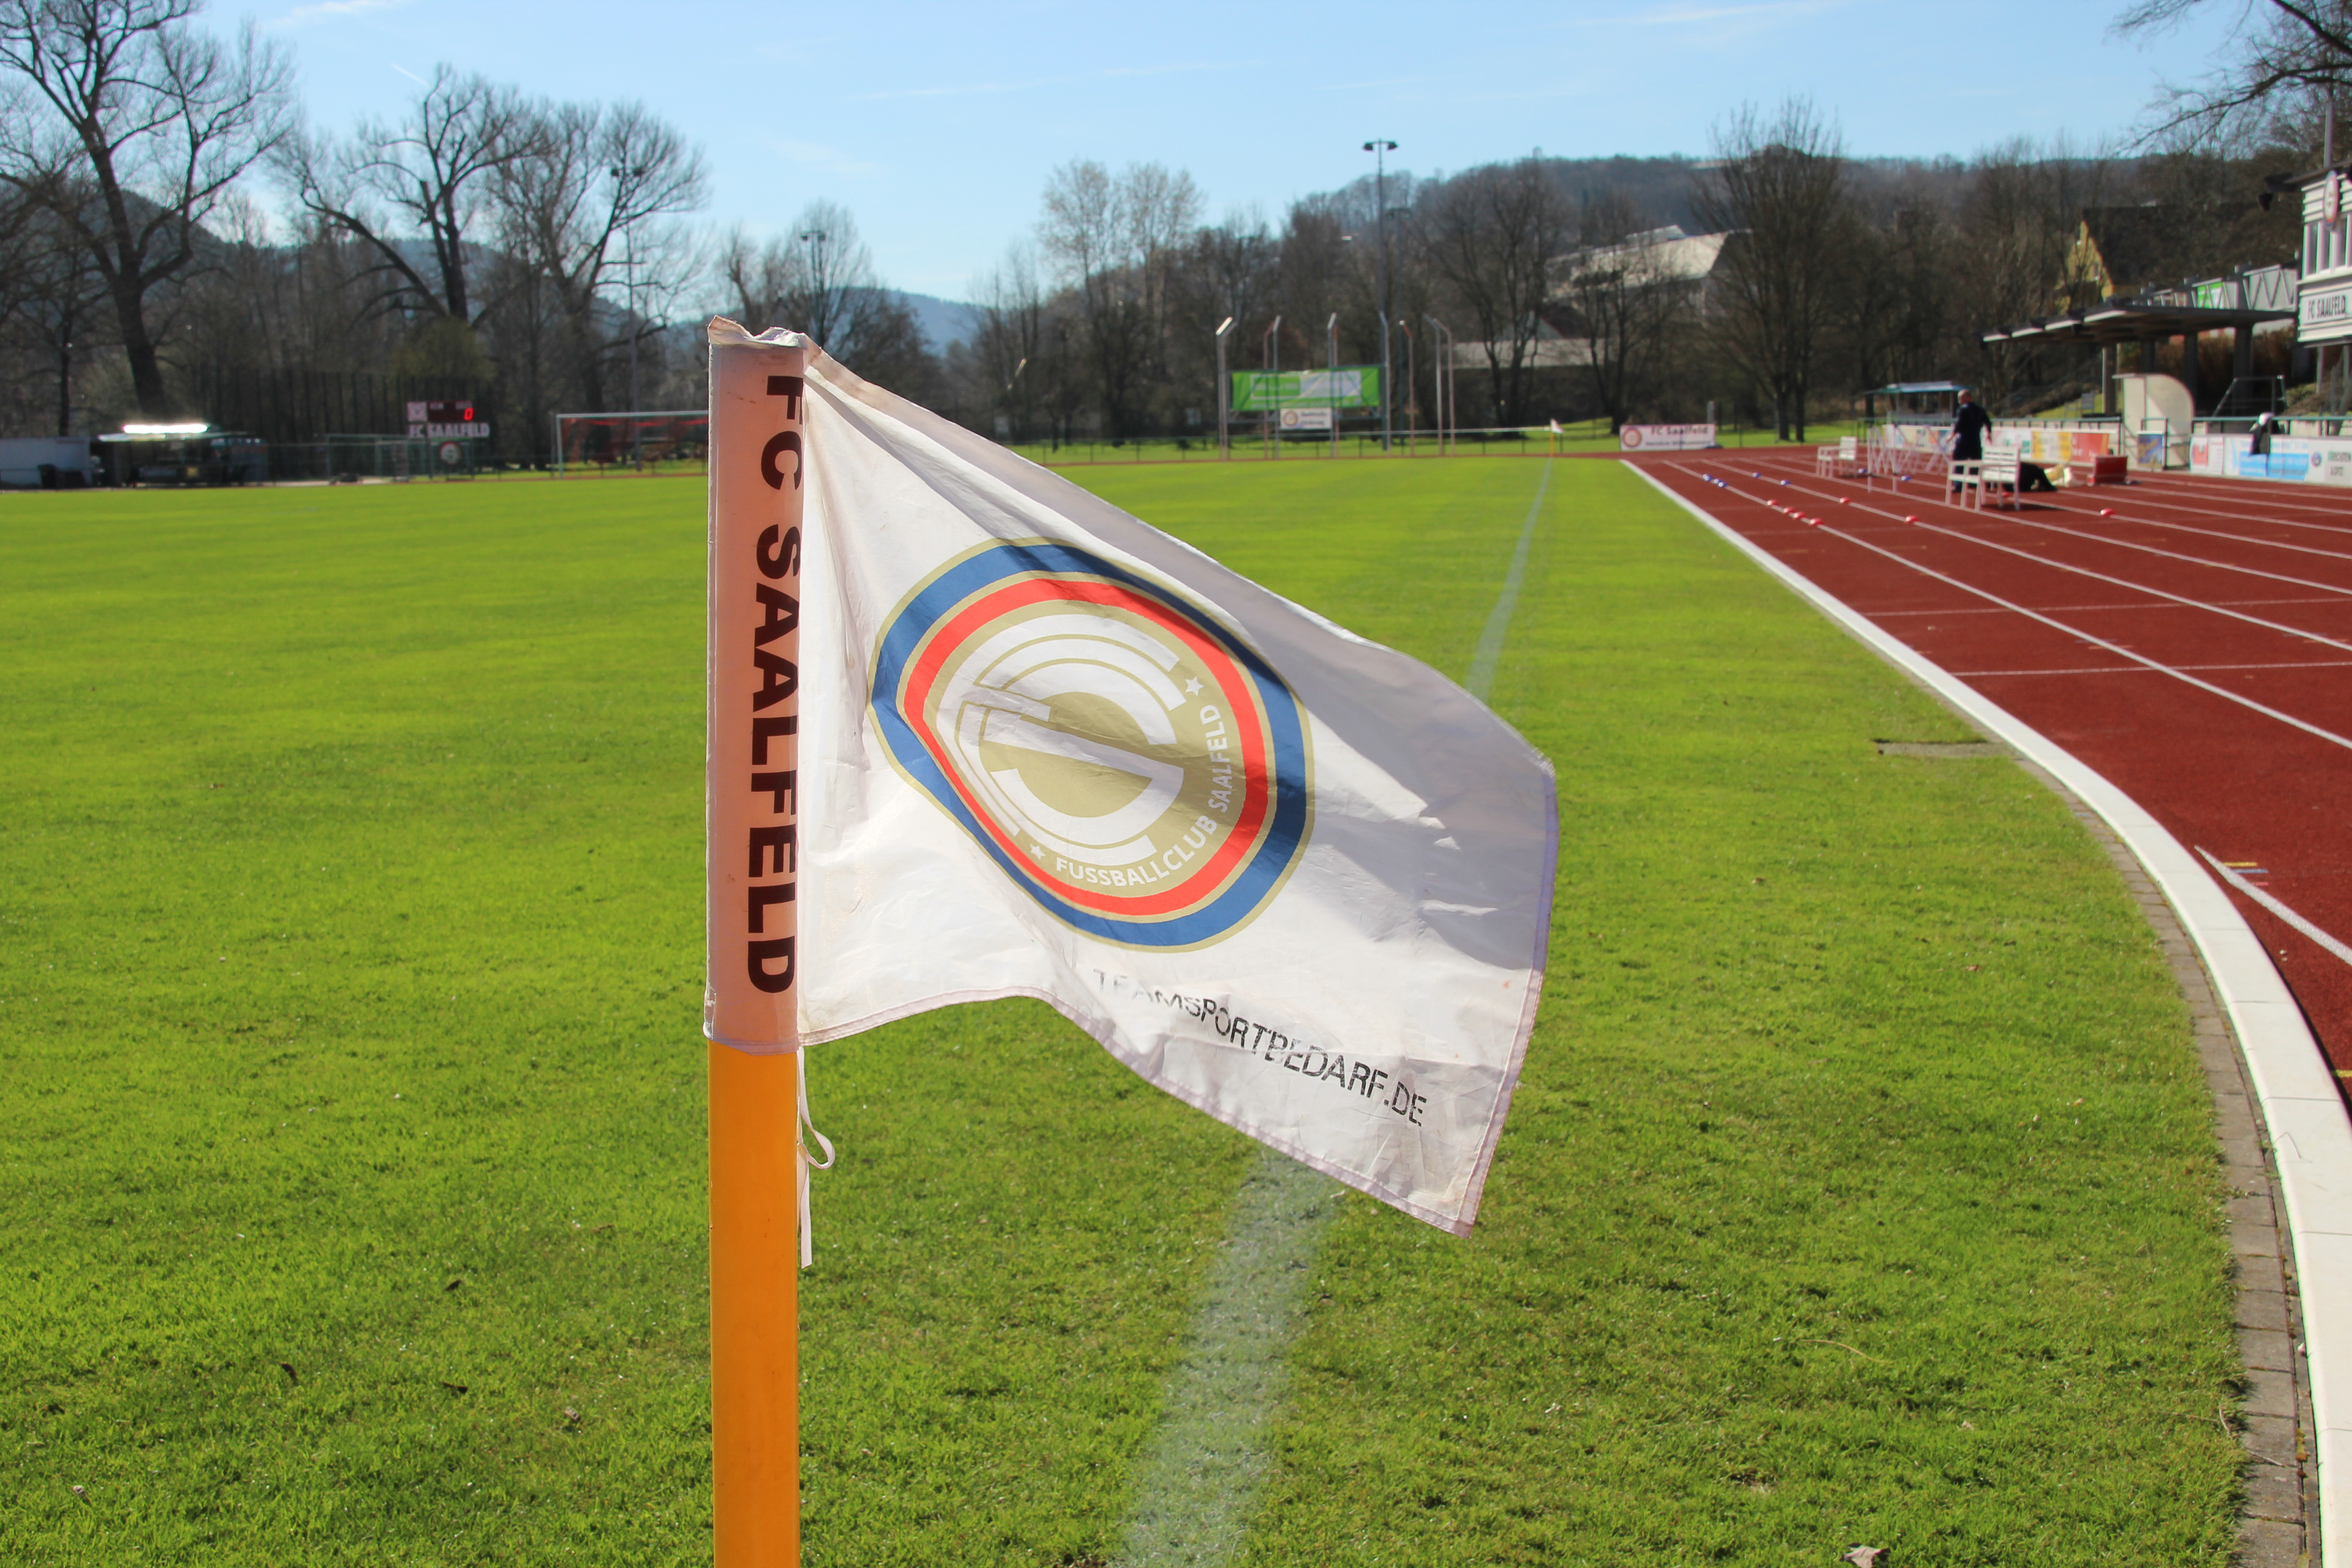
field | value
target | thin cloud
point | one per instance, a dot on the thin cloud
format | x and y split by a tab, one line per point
1113	73
1382	81
331	11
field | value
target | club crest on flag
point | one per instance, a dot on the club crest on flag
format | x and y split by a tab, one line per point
1134	767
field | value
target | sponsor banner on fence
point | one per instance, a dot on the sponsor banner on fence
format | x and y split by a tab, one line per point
1306	419
2052	445
1265	391
2298	459
1666	437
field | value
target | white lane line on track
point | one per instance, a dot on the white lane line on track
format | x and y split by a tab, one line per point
2270	520
1196	1479
2270	903
2303	1108
2127	544
2115	543
2161	487
2143	670
2066	498
2180	599
2097	642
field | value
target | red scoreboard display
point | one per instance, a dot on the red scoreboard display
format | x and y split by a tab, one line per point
444	420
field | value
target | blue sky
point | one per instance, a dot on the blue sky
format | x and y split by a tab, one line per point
936	124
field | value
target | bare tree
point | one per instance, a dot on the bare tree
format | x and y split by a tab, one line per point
820	279
1624	300
1113	240
1492	235
2290	51
1779	187
1007	351
156	121
580	208
428	174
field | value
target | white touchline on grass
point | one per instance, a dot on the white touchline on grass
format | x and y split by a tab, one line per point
1197	1477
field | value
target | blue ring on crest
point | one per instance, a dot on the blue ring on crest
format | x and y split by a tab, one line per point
1287	750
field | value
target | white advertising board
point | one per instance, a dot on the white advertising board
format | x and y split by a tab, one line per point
2323	313
1306	419
2297	459
1666	437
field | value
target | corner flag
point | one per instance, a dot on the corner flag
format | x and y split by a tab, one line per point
1036	747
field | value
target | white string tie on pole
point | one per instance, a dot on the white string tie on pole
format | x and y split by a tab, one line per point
804	1129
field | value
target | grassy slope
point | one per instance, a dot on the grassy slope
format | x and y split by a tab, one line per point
322	799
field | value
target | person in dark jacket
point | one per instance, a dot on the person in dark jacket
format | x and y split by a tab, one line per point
1970	423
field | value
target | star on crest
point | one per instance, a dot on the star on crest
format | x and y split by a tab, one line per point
1192	689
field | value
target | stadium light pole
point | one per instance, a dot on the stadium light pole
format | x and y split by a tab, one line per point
1379	149
1224	392
1442	378
1274	370
629	240
1412	387
1331	387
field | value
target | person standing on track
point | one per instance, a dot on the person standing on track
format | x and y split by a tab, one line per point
1970	423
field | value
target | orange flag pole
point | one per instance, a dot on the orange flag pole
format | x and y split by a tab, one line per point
750	1010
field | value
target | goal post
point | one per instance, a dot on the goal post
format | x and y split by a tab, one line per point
635	438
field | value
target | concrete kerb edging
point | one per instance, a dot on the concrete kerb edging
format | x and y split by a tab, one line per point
2309	1131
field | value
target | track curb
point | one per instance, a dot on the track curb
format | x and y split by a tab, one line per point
2303	1113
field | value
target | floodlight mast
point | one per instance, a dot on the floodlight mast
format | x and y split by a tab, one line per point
1411	388
1224	392
1331	388
1379	149
629	238
1441	378
1273	367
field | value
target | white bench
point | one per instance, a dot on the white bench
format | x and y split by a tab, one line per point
1998	476
1840	462
1995	473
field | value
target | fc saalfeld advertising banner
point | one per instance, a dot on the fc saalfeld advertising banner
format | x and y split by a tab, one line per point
1040	749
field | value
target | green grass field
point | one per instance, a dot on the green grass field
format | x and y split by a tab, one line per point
1860	1187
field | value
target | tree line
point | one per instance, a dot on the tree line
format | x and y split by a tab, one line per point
1565	296
544	256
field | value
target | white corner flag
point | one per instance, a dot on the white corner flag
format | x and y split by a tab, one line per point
1294	878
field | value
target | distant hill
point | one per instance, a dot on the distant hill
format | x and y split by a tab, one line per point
943	321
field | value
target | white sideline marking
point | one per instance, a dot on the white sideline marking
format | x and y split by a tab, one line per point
1198	1477
1481	679
2311	1137
1195	1483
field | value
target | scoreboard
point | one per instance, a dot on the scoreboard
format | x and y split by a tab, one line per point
444	420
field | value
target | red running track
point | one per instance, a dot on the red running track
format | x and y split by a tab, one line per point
2189	637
